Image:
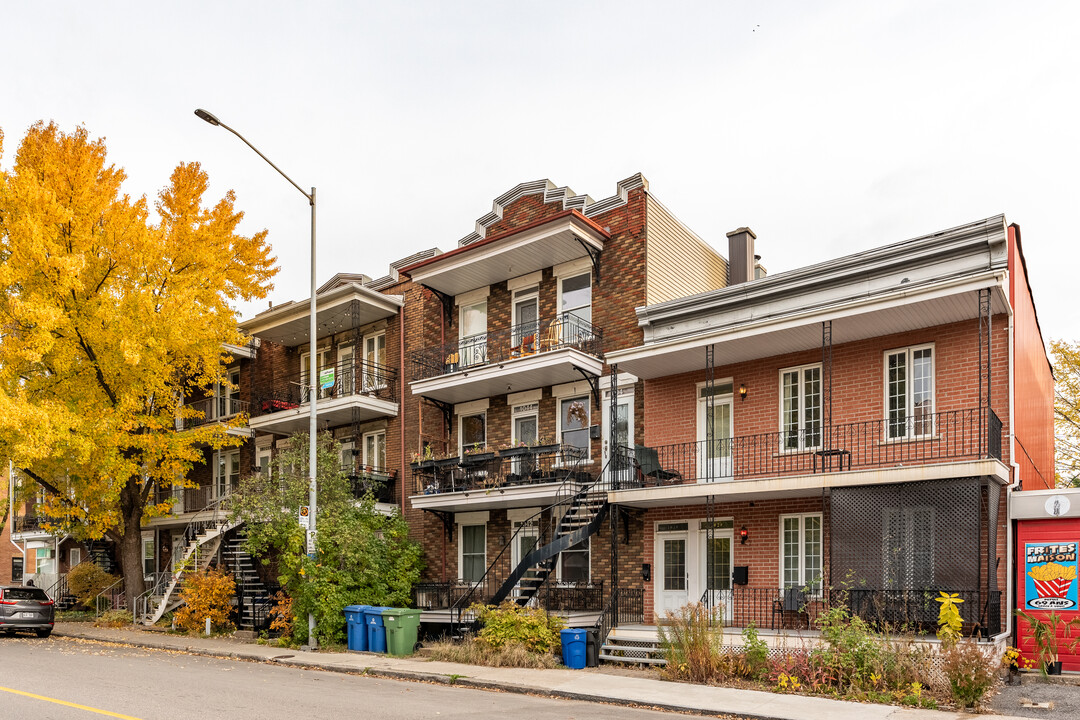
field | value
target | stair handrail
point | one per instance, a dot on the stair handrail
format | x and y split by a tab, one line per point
141	605
461	605
108	593
544	550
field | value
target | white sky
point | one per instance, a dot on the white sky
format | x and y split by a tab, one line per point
828	128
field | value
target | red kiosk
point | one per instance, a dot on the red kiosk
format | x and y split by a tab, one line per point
1047	545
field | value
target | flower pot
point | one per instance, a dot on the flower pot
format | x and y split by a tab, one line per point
477	458
1053	668
545	449
446	462
516	452
422	464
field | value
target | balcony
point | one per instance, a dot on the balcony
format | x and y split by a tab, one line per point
379	481
186	500
956	443
29	524
216	410
517	477
349	391
530	355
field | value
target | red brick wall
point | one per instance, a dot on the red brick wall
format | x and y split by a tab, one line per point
1034	411
761	552
858	393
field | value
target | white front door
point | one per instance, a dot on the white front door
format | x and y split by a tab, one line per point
714	459
305	374
715	571
624	430
526	537
672	571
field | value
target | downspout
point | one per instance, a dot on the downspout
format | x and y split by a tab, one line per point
11	513
446	430
401	402
1010	589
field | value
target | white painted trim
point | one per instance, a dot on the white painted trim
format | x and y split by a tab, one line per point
909	406
477	517
524	281
472	407
570	268
801	391
575	388
802	541
622	380
514	515
461	538
558	419
524	397
473	296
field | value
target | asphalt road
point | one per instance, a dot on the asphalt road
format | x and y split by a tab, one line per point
62	679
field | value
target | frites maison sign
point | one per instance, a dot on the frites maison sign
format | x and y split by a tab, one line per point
1050	576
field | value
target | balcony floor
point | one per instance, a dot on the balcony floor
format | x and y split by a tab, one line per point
333	411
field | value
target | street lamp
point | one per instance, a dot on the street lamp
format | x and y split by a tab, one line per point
313	369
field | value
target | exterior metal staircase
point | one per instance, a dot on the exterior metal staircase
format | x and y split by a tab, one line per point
253	596
204	535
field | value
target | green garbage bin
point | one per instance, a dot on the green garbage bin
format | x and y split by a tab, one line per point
402	626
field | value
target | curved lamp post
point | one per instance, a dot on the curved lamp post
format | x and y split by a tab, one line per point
313	368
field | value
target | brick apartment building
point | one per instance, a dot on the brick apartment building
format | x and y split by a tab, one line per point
584	406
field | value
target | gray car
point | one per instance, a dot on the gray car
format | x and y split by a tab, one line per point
25	608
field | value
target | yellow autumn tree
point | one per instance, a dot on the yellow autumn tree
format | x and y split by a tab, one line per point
1066	361
108	321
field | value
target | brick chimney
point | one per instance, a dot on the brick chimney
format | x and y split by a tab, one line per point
741	259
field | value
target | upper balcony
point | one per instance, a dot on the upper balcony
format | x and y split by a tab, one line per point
530	355
349	391
931	446
223	410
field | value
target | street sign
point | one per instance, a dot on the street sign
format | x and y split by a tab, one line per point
305	520
311	544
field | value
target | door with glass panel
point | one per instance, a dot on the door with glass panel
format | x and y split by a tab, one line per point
716	556
306	381
575	307
473	552
715	455
526	324
673	578
526	538
524	434
472	337
620	473
374	362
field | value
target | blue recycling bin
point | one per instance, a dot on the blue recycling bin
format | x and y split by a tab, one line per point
355	628
376	631
573	647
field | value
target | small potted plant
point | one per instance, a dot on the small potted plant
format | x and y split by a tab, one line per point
426	460
516	449
1044	631
545	445
476	454
445	460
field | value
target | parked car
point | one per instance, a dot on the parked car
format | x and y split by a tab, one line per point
25	608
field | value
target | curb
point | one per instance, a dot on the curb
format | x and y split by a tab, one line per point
414	676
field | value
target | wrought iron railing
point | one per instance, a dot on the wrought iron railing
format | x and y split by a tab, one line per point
509	468
915	610
194	499
343	379
379	481
212	410
499	346
624	606
934	438
29	523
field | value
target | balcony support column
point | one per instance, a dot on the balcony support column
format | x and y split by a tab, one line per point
826	382
711	449
613	472
985	328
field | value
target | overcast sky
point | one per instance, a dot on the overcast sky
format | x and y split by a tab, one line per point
827	127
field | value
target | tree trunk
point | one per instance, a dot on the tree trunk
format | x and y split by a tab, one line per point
131	508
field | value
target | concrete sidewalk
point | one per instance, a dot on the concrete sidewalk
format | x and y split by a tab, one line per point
587	685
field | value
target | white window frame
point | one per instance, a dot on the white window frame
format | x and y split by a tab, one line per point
587	399
265	453
347	457
909	409
559	311
461	434
225	395
588	564
148	539
470	519
801	417
305	370
804	581
373	379
74	557
229	456
364	457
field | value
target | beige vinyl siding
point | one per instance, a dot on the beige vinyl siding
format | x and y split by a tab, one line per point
677	262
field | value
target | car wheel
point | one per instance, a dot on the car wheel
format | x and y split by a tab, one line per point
44	633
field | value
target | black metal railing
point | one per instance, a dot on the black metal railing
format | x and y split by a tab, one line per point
430	595
572	597
379	481
344	379
932	438
914	610
624	606
498	471
194	499
499	346
29	523
212	410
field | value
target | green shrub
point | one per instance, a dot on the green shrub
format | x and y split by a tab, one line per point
970	672
533	628
207	595
755	652
113	619
87	580
690	639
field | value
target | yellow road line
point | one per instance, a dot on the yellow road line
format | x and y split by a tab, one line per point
69	704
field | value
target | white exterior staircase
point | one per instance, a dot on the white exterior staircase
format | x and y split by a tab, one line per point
198	554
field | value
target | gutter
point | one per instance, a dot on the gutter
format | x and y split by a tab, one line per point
11	513
1010	588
